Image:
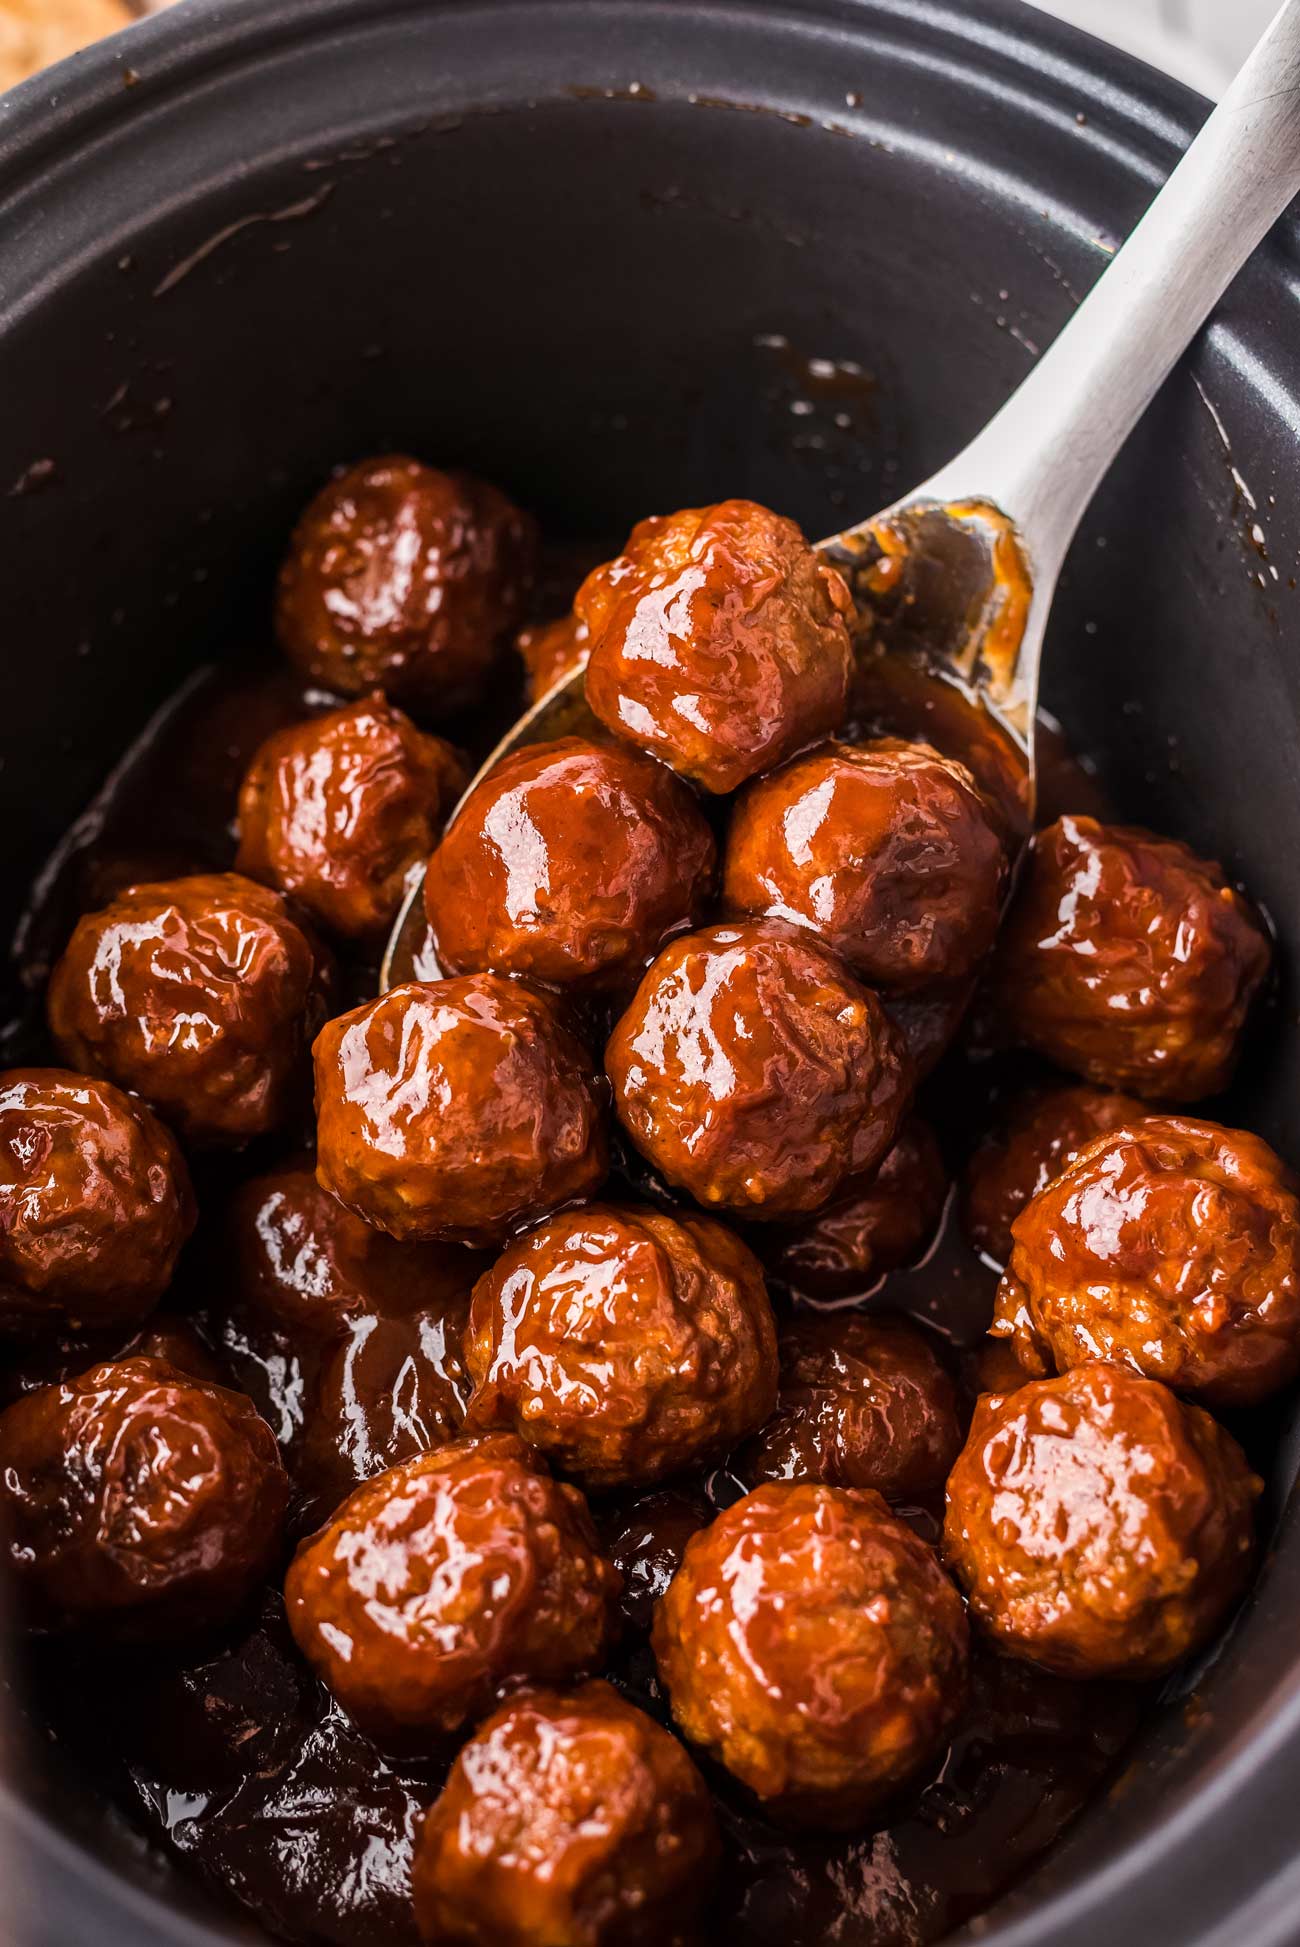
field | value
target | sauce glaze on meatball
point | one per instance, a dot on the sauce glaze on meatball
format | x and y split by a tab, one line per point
200	994
1099	1525
138	1502
870	1229
552	650
95	1204
625	1344
336	812
864	1402
885	850
645	1537
457	1110
451	1575
404	578
1170	1245
571	862
1129	960
813	1644
754	1072
719	641
1041	1136
570	1816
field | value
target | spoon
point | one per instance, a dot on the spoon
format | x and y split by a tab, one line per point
955	581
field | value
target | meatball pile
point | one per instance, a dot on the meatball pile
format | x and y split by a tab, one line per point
571	1331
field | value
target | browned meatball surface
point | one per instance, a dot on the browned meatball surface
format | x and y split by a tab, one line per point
571	862
337	811
885	850
870	1229
457	1109
645	1537
864	1402
754	1072
1129	960
95	1204
1099	1525
1171	1245
551	651
202	995
718	641
445	1578
626	1344
395	1387
138	1502
813	1644
1034	1142
404	578
569	1818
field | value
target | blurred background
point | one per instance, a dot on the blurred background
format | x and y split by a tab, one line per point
1201	41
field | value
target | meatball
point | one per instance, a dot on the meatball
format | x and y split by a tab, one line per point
626	1344
1129	960
95	1204
569	1817
457	1109
645	1538
813	1644
719	641
885	850
552	651
337	811
1170	1245
202	995
395	1387
864	1402
1042	1134
571	862
44	1361
138	1502
1100	1526
293	1253
871	1228
755	1073
453	1574
404	578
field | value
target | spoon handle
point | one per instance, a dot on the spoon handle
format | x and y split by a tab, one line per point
1043	455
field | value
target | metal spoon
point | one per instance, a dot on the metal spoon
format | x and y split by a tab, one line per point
960	574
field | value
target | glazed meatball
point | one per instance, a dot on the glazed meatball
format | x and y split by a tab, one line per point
457	1109
626	1344
570	1818
645	1539
552	651
1129	960
95	1204
864	1402
885	850
719	642
453	1574
870	1229
571	862
202	995
46	1361
1100	1526
1041	1136
813	1644
292	1274
292	1252
395	1387
1170	1245
405	579
755	1073
337	811
138	1502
